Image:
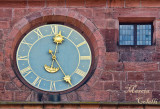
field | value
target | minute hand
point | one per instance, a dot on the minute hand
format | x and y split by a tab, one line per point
66	78
60	67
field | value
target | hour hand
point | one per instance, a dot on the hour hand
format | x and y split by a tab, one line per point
67	79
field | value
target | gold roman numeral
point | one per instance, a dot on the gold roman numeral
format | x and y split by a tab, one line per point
52	86
69	34
82	43
29	44
37	81
39	34
26	71
22	57
54	29
85	57
80	72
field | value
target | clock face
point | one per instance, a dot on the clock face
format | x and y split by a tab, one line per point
53	58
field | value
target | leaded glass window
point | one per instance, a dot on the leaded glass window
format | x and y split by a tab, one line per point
135	34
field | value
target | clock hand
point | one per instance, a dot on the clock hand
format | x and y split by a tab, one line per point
51	69
60	67
55	50
66	78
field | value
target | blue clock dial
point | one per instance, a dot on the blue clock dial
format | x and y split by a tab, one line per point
53	58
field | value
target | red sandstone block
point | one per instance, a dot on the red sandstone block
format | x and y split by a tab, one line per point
6	13
70	106
21	95
37	21
102	95
119	76
154	76
75	3
99	85
157	85
101	43
99	13
87	12
137	56
10	86
130	107
10	73
50	106
84	87
98	36
33	107
13	4
22	23
156	95
1	68
100	23
2	85
131	97
1	56
100	63
24	87
47	12
135	76
106	76
140	66
11	106
31	10
98	72
80	19
112	86
112	56
17	82
114	66
1	34
4	76
110	35
55	3
95	3
150	3
89	106
86	96
108	107
132	3
6	96
117	96
138	12
91	81
64	97
87	31
72	96
33	16
145	48
115	3
7	63
36	3
151	107
61	11
4	24
18	14
112	24
90	25
145	96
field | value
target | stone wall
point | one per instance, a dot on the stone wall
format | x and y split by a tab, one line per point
117	66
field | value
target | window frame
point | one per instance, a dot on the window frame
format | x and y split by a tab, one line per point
135	33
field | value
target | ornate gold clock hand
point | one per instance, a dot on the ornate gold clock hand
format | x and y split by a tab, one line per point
51	69
66	78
